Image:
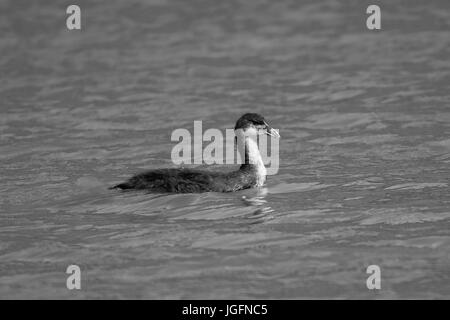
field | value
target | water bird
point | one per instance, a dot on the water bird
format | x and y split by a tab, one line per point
252	173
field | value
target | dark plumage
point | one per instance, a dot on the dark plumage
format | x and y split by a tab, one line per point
183	180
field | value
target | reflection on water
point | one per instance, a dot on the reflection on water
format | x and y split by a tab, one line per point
364	158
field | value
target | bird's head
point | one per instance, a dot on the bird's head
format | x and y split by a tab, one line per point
255	124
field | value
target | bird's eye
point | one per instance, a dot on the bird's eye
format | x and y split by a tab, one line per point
261	129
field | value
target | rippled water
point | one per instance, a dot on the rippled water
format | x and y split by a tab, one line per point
364	156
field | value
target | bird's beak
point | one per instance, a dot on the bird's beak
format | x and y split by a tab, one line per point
272	132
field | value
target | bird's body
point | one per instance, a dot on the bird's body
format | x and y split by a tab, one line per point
183	180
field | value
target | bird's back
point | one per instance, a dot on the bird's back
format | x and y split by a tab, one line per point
183	180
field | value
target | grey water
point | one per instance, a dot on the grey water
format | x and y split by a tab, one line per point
364	118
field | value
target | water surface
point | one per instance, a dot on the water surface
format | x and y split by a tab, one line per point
364	157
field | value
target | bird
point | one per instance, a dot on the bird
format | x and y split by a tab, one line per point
251	173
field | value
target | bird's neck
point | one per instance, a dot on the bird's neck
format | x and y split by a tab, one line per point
254	161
